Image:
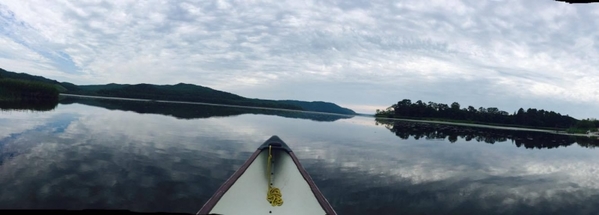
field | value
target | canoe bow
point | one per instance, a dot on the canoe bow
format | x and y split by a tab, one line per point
246	190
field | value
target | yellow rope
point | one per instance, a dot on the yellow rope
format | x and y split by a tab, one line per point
273	196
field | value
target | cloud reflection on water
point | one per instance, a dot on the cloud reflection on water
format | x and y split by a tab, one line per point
124	160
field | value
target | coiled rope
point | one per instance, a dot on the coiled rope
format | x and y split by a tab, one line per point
273	196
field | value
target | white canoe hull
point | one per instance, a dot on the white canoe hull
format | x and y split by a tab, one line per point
245	192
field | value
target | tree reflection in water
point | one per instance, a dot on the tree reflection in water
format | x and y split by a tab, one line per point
527	139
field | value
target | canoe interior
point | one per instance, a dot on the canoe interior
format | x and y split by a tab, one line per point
245	192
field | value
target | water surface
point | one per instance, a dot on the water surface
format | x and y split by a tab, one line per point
95	154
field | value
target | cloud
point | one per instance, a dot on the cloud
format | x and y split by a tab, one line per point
16	122
528	53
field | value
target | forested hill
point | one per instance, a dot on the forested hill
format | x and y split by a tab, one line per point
16	90
321	107
178	92
25	76
530	117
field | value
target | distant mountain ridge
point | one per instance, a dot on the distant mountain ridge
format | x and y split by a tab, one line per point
320	106
179	92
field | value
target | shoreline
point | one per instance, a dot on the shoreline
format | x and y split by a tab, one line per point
203	103
561	132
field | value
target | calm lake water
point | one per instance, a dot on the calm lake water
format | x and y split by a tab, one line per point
139	156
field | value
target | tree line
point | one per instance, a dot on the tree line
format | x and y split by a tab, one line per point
19	90
179	92
530	117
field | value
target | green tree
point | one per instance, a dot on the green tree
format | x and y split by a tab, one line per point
530	117
471	109
18	90
455	106
585	124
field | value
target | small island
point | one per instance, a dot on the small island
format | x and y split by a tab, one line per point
529	118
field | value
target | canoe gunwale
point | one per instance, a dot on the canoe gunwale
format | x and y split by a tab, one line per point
321	199
277	144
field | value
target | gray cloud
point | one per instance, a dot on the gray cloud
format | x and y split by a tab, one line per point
521	52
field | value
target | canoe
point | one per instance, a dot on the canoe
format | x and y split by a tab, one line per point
271	181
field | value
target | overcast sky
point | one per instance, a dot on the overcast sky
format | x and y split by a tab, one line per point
362	54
